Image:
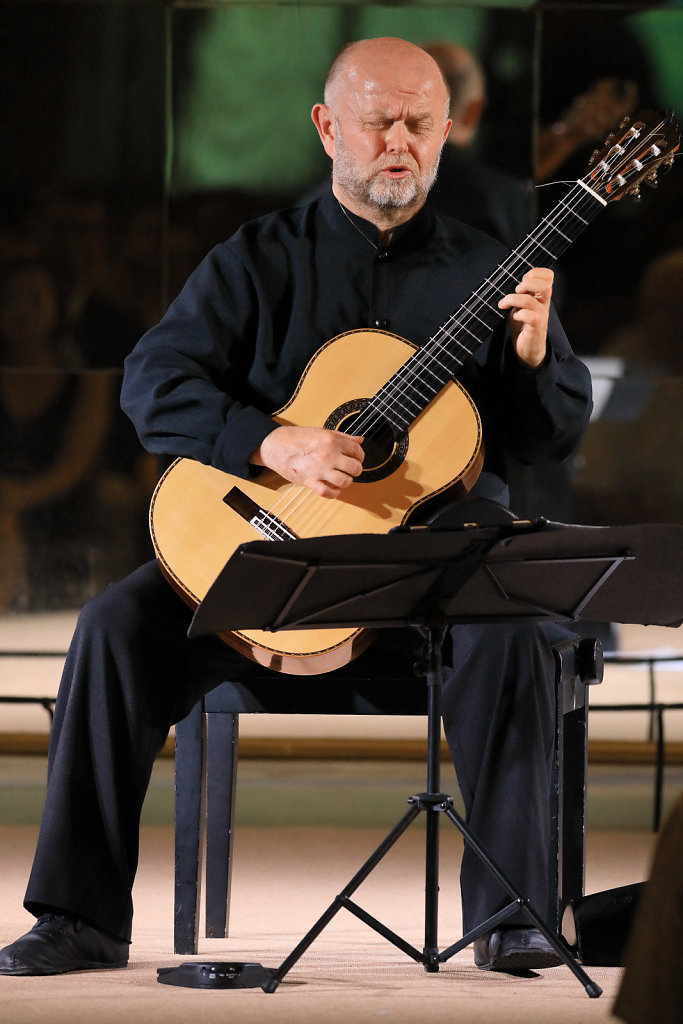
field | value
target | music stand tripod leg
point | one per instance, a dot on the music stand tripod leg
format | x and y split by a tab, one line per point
343	901
518	901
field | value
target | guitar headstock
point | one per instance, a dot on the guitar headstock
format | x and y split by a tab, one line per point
633	154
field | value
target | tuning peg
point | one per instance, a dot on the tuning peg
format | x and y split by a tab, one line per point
667	164
652	182
635	193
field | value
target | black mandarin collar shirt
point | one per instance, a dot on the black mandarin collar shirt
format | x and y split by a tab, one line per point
232	347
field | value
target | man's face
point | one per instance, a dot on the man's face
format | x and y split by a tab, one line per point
390	181
388	124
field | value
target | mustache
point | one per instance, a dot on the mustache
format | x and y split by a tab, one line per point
406	164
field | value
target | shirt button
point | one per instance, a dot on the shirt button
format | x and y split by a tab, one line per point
382	254
381	324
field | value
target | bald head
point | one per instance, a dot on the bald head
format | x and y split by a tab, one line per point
362	64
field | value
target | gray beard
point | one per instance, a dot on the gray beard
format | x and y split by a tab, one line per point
378	192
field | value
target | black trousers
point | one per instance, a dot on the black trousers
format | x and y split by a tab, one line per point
131	673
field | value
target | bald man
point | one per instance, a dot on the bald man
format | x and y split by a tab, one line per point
204	384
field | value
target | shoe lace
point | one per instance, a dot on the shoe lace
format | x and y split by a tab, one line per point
62	920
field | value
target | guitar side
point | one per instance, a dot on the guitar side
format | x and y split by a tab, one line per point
200	515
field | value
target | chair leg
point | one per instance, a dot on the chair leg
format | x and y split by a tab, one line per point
189	828
570	786
574	785
222	745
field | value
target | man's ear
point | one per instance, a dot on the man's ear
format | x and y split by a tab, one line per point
324	122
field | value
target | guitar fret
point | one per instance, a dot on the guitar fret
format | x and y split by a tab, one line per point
444	353
546	250
400	423
487	280
489	308
476	317
464	327
574	214
553	228
424	368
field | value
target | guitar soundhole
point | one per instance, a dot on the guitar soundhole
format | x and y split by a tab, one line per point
384	453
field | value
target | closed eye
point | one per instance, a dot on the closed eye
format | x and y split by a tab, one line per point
419	125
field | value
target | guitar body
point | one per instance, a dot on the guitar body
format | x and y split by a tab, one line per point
195	529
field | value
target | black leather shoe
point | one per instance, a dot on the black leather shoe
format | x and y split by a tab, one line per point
515	949
57	944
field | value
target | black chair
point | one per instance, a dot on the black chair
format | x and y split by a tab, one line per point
206	756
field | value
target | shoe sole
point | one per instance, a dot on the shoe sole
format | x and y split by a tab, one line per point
86	966
524	960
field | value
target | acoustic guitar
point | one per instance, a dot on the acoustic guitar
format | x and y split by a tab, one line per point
423	438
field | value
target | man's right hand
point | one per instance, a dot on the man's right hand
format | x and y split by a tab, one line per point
326	461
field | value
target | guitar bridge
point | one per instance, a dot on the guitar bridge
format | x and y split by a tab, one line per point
268	525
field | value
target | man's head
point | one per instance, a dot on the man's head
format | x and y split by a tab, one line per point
383	123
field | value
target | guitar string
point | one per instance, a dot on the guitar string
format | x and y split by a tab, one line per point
507	269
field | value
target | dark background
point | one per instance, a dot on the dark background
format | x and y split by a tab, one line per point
136	135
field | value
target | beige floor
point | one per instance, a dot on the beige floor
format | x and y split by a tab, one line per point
284	878
287	873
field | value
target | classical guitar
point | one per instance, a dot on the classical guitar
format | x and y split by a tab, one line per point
422	432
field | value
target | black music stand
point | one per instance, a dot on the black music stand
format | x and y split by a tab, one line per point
427	578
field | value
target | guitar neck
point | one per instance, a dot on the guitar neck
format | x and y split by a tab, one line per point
401	400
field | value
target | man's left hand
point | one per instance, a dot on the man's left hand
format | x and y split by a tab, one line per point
530	305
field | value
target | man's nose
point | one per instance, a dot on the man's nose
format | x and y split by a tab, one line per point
397	138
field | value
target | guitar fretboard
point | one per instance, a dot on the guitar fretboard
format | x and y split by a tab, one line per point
401	400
